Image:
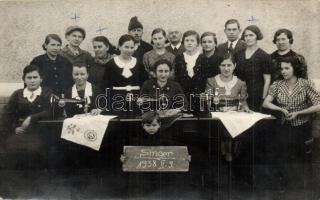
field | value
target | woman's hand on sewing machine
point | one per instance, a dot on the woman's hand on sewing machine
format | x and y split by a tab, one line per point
95	111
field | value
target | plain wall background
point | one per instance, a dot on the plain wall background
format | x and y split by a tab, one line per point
25	24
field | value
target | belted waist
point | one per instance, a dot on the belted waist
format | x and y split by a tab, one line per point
127	88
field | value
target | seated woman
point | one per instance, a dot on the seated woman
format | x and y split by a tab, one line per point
229	93
123	78
56	70
228	88
25	108
166	93
296	99
83	91
104	52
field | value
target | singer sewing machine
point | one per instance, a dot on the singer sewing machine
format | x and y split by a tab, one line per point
217	102
62	107
129	107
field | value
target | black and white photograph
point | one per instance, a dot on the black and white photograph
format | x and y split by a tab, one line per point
160	99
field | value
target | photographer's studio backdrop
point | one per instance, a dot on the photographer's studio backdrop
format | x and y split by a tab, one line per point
26	23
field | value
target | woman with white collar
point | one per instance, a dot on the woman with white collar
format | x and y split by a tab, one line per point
186	71
30	105
123	75
230	91
82	90
227	86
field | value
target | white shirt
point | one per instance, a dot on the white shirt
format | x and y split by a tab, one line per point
31	95
177	46
234	43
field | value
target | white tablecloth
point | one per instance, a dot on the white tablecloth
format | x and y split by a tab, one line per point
237	122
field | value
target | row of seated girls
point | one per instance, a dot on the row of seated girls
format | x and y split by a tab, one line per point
238	71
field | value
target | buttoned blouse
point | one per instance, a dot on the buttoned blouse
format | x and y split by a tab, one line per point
56	74
302	96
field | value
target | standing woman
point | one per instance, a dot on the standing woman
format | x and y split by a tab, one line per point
56	70
123	75
104	52
283	39
30	105
186	71
158	52
253	67
209	61
296	99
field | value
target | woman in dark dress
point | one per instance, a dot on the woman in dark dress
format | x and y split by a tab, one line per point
254	67
187	73
25	108
209	61
56	70
104	52
123	76
283	38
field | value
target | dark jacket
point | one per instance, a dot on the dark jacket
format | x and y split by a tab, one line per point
19	108
56	74
223	48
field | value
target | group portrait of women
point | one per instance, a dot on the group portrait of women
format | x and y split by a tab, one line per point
173	67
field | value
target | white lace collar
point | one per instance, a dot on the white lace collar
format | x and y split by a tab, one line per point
227	85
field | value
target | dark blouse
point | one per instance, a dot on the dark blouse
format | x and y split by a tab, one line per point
193	85
112	76
171	90
143	48
276	68
96	72
251	71
56	74
209	67
19	107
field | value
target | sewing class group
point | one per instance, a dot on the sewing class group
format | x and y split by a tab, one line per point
172	66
